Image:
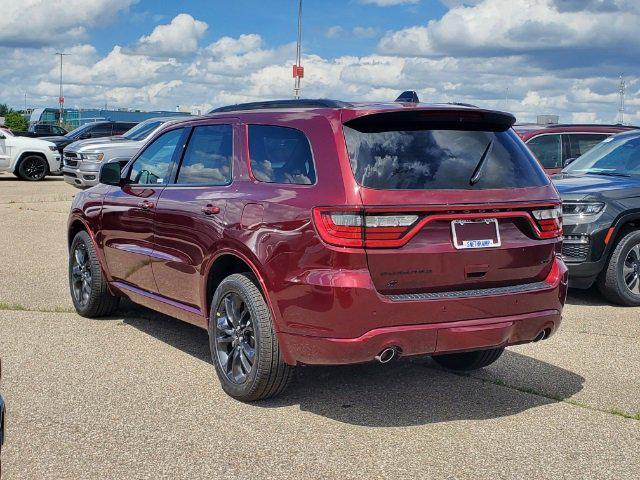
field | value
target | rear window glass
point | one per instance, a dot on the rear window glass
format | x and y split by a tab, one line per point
440	159
280	155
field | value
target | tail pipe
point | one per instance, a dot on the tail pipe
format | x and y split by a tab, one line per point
386	355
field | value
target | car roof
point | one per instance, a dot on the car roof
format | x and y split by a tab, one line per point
534	128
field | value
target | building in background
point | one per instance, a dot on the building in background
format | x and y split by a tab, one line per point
75	117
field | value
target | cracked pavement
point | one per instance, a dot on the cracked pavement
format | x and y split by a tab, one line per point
135	395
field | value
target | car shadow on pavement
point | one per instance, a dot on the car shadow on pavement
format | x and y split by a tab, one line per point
589	297
402	393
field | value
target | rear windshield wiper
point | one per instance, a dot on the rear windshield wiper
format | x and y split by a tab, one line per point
478	170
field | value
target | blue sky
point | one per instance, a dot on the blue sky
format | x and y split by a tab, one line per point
274	20
529	57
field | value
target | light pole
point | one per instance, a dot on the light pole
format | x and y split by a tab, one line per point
61	96
298	71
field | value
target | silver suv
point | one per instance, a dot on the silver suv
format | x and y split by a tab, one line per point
82	159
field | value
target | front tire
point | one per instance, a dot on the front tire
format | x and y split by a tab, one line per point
244	347
33	168
619	282
466	361
87	284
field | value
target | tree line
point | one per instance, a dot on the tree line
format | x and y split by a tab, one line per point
13	118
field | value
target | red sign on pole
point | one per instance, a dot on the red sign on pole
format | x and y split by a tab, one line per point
60	99
298	71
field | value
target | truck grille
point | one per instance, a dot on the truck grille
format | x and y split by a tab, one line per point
70	162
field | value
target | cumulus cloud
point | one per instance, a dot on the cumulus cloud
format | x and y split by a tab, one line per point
176	39
37	23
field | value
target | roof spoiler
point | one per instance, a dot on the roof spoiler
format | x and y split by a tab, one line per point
408	96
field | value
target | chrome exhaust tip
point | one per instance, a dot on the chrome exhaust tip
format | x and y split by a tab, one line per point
386	355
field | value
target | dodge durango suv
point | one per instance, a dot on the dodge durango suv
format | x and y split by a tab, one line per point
306	232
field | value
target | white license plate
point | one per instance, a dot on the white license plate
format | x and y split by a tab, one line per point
469	234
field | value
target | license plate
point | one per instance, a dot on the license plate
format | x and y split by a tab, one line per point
482	233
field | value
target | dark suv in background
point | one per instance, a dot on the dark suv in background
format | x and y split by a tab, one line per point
601	203
325	232
556	145
90	130
42	130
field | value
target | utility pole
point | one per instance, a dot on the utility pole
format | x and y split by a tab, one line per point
298	70
61	96
621	92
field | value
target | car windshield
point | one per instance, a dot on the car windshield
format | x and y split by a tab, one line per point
618	155
142	130
6	133
75	133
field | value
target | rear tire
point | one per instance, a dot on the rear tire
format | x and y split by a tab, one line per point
33	168
87	283
244	347
619	282
466	361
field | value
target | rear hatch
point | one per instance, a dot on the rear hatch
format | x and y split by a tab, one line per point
451	201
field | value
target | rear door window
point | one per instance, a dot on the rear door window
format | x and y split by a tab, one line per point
547	149
440	159
207	159
581	143
280	155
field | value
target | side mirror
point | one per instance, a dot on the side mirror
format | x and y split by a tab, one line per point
110	174
568	161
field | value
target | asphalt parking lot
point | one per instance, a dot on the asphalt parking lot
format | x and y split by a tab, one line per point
135	395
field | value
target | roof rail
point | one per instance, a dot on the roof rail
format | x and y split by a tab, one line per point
301	103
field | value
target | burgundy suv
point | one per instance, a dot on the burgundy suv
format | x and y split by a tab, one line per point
557	145
323	232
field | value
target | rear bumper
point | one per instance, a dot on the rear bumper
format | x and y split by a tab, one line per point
423	339
350	322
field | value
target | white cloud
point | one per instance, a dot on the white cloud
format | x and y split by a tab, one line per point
496	27
176	39
36	23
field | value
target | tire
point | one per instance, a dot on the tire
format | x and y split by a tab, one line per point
619	281
468	360
91	299
33	168
244	347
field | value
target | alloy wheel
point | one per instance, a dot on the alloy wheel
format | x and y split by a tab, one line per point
235	338
34	168
81	279
631	270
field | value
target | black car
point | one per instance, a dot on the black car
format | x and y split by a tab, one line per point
601	213
42	130
90	130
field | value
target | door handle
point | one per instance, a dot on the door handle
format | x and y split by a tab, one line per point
210	209
146	205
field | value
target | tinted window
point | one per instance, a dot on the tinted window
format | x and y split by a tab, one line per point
58	130
153	165
102	130
547	149
120	128
280	155
207	159
613	156
581	143
42	129
142	130
439	159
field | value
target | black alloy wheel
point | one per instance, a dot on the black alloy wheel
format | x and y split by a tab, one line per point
33	168
235	338
81	278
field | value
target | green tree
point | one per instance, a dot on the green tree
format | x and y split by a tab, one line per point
15	121
4	109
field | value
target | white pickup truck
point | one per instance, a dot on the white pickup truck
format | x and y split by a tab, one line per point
28	158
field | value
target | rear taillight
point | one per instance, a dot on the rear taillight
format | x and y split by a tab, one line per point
354	228
549	222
